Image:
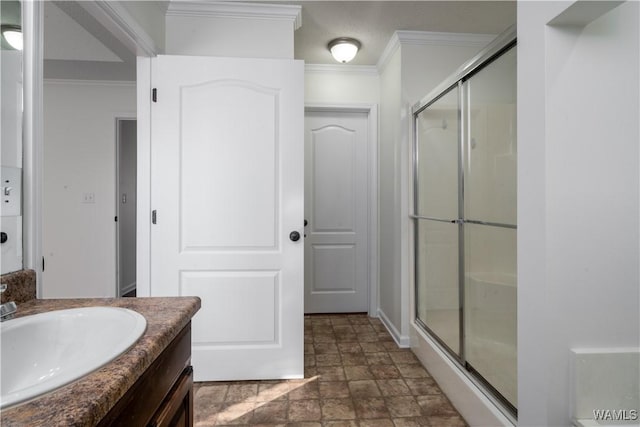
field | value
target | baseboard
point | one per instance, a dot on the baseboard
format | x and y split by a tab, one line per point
473	404
130	287
403	341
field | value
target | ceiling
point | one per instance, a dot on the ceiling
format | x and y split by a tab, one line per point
76	44
374	22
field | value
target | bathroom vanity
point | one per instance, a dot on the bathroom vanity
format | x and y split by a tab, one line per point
151	384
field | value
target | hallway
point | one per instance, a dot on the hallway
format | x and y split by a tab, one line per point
355	375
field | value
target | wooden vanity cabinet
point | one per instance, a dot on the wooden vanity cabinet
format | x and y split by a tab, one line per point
163	395
177	408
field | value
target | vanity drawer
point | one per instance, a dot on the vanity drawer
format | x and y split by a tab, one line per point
177	409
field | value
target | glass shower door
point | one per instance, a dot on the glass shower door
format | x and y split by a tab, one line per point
437	208
490	226
465	218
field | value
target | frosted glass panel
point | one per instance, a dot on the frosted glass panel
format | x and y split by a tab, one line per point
466	170
437	173
491	151
438	302
490	310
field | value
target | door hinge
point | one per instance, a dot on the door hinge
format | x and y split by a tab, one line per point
154	95
153	216
42	263
116	219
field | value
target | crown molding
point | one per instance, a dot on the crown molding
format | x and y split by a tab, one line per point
237	10
422	38
392	46
444	39
122	25
370	70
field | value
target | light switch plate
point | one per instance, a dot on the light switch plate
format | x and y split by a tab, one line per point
11	191
88	198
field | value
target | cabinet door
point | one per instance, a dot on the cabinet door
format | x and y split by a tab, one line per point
177	409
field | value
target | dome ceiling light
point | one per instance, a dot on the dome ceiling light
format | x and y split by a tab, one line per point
344	49
13	35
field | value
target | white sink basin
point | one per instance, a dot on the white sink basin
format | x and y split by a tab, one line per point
43	352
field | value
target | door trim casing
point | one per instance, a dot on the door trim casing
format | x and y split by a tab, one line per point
143	183
371	110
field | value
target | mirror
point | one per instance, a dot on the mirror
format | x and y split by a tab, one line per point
11	135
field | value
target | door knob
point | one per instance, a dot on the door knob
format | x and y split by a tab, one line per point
305	222
294	236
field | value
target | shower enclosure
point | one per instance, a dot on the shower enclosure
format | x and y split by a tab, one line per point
465	218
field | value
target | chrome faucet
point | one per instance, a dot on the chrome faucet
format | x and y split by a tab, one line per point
8	309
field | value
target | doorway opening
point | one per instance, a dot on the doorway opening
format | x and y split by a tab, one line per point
126	170
340	209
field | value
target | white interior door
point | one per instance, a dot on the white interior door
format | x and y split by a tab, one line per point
227	189
336	206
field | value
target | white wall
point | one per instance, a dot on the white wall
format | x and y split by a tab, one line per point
341	84
240	30
388	198
79	158
219	37
424	66
578	184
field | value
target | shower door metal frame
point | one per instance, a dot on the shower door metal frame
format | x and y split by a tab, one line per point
500	45
416	216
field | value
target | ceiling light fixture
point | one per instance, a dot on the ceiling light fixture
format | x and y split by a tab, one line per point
344	49
13	35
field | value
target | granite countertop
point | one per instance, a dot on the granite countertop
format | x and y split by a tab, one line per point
86	401
21	286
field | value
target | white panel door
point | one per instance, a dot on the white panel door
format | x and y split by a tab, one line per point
336	200
227	189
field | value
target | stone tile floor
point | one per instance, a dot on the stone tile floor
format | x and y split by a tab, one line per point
355	375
